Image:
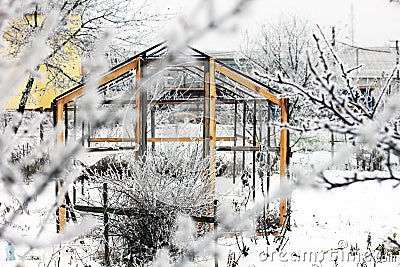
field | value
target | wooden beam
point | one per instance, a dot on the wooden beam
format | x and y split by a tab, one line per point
108	77
156	139
204	219
186	139
132	212
189	101
246	83
176	63
225	138
190	88
109	149
175	139
177	102
238	148
284	157
117	211
111	139
184	89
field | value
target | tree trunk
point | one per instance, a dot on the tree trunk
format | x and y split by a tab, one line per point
23	101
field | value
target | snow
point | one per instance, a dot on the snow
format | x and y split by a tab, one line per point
325	224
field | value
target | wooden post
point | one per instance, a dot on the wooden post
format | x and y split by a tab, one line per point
141	112
209	122
61	211
213	123
62	214
284	157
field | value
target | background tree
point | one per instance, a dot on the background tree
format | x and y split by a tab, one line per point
282	47
340	99
68	31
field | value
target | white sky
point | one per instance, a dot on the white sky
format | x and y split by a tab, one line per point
375	21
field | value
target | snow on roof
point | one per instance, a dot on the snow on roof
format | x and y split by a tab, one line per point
376	61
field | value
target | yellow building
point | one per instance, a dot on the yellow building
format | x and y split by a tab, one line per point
60	72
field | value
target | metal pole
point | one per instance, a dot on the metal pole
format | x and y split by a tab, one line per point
244	136
397	63
57	210
141	111
41	128
74	120
332	145
269	153
153	127
66	122
83	133
215	233
206	112
235	141
89	133
260	119
106	227
254	144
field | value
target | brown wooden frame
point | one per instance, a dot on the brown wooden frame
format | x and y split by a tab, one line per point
211	67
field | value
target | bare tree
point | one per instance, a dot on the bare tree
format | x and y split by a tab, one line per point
346	110
282	48
71	34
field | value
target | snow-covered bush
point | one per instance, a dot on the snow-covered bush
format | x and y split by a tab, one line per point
152	191
29	168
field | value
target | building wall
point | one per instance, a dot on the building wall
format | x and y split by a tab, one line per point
49	83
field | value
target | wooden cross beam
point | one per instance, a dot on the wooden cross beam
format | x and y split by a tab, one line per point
131	212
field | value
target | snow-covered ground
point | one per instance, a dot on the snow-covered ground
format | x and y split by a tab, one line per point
325	225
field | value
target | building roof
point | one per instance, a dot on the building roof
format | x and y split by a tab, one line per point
377	62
